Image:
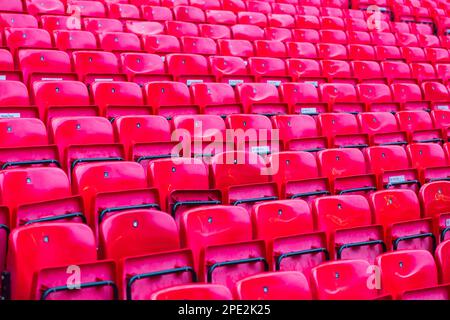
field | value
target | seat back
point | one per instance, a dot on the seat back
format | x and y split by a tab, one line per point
287	285
38	246
151	231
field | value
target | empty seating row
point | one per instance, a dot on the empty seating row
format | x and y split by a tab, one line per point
221	258
115	98
152	39
139	137
338	171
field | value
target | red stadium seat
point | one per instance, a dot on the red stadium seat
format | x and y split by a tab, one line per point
24	142
286	285
341	97
287	227
234	5
37	263
332	23
84	139
92	66
384	39
406	270
307	22
119	41
440	292
198	45
406	40
430	160
39	183
305	70
262	98
144	137
65	98
337	71
252	184
359	37
270	70
214	31
203	4
119	98
300	132
294	184
409	96
434	201
281	20
73	40
230	69
396	71
441	121
45	65
342	130
123	11
169	98
180	28
382	128
333	36
12	6
302	50
413	54
222	234
332	51
272	49
52	23
189	14
377	97
392	166
99	25
20	38
142	28
17	20
216	98
247	32
367	71
419	126
221	17
182	184
252	132
428	41
399	212
202	129
306	35
161	44
125	189
153	231
236	48
15	101
346	168
442	259
89	8
347	222
343	280
423	72
302	98
436	55
142	68
437	93
252	18
156	13
194	292
189	68
388	53
7	67
36	7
